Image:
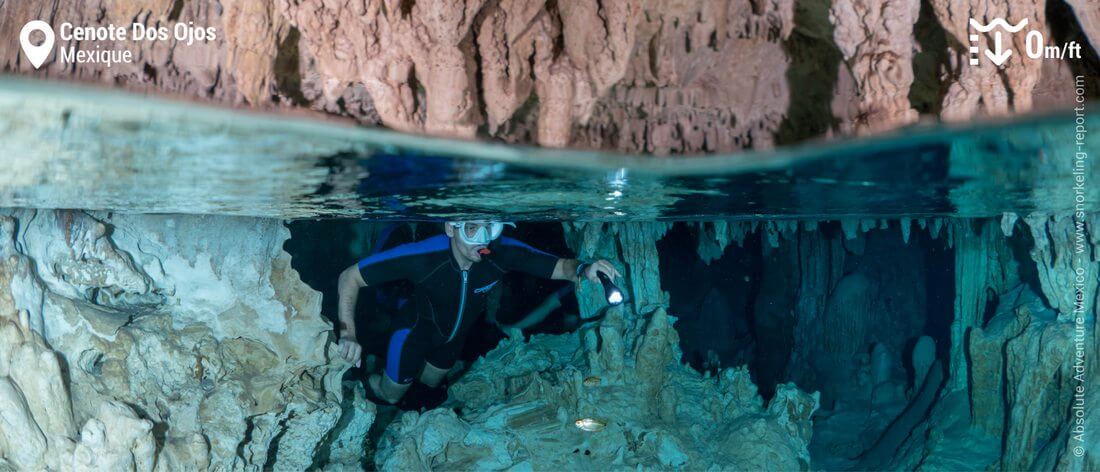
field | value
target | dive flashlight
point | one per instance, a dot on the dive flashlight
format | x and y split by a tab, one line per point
614	295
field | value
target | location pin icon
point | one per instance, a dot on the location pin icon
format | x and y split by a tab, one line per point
36	54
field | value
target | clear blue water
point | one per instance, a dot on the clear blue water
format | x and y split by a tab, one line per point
77	147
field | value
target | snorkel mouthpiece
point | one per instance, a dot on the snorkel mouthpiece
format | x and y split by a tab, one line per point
613	294
484	251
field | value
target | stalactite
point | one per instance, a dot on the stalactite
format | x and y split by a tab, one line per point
850	227
988	87
876	38
715	236
712	240
935	225
1008	223
771	233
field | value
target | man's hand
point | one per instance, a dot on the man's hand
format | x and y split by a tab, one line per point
349	350
601	266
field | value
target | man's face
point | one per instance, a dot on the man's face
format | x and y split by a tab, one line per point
464	249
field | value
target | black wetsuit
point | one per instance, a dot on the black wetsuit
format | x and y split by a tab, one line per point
446	300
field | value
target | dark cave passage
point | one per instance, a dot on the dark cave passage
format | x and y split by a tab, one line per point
713	302
742	307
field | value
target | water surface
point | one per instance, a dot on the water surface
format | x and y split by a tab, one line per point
67	146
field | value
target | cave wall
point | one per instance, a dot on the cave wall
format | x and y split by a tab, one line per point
1018	366
632	75
175	341
835	298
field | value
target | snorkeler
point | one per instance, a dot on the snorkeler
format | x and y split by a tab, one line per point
451	275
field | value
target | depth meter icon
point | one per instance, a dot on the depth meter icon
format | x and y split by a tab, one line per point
36	54
999	55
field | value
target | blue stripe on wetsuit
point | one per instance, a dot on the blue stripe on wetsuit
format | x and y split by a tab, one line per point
521	244
381	296
434	243
393	355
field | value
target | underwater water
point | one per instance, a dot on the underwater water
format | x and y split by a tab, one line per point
885	303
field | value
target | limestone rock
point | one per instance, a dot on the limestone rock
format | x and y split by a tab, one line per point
703	77
195	324
1027	351
924	353
196	70
876	38
529	418
26	441
1088	16
632	75
347	446
39	430
986	88
116	439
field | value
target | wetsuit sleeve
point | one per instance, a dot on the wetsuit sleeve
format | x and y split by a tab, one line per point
515	255
399	263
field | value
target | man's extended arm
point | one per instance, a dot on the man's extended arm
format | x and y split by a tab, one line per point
566	269
348	286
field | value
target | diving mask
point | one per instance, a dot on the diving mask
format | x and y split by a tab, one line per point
479	233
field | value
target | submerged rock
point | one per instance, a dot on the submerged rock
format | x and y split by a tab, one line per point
516	407
193	327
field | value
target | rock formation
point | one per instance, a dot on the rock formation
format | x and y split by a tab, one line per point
520	402
703	77
39	430
632	75
876	38
985	87
1088	17
188	341
924	354
1008	375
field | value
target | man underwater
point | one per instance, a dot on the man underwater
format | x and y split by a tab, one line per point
451	274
